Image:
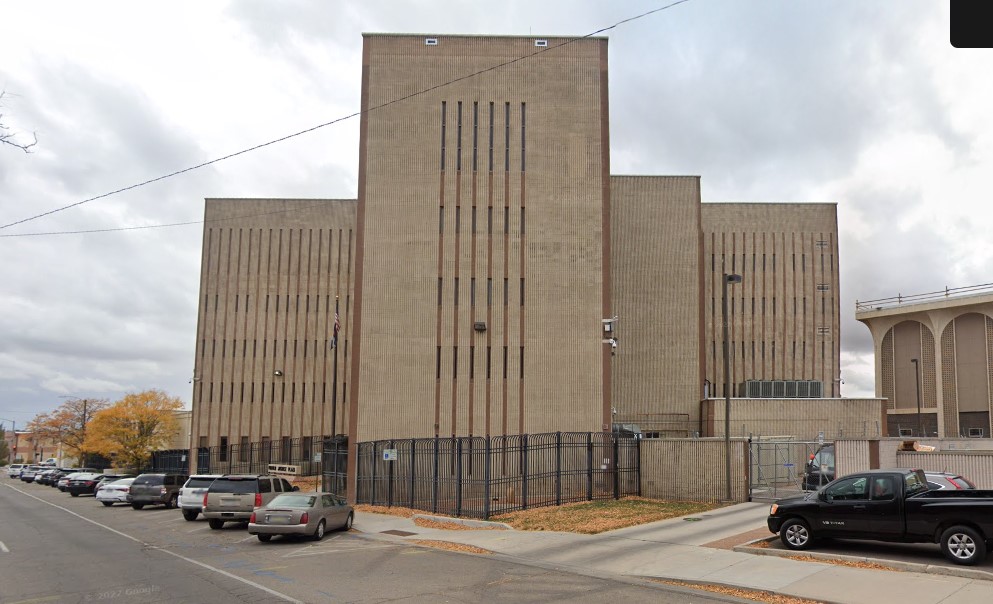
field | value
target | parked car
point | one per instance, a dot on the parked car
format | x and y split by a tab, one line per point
156	489
14	470
117	491
233	498
889	505
64	481
820	468
191	494
109	478
84	483
301	514
45	476
28	473
947	480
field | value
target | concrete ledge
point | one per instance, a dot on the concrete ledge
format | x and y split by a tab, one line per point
469	522
964	572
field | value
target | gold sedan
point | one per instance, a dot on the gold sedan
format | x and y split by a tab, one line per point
302	514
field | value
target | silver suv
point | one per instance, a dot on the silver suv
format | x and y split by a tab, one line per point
191	495
233	497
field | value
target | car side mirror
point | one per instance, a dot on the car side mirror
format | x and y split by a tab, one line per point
296	488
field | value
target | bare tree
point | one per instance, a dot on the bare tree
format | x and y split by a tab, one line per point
7	137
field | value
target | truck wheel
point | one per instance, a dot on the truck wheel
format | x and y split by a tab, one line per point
795	534
215	523
963	545
190	514
137	506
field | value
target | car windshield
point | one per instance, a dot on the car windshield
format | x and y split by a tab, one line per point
915	483
293	501
123	481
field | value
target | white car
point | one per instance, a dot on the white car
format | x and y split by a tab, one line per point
14	470
191	494
118	491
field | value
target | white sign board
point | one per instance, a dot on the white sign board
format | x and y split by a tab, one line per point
389	454
317	457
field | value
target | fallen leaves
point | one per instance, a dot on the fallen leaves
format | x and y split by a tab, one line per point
592	517
448	545
746	594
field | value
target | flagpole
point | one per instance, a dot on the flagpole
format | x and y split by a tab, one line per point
334	378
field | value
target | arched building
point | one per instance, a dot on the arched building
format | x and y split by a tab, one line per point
934	360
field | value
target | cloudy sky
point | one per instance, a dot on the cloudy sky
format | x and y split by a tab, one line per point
859	102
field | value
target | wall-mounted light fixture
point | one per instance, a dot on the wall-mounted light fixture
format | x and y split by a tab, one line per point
278	373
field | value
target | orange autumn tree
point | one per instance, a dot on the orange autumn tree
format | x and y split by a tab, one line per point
67	424
130	429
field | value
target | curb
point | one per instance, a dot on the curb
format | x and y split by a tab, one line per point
913	567
483	524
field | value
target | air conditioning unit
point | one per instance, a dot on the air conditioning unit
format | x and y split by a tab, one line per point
976	432
790	390
779	389
906	432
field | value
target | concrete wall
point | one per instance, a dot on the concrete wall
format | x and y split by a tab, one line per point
693	469
801	418
657	367
972	458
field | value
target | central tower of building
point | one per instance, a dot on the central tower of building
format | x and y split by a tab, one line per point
483	250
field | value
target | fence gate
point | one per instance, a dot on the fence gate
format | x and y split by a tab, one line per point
776	467
335	465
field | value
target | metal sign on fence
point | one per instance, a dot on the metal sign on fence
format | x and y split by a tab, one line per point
389	454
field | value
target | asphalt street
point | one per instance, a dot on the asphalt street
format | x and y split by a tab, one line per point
61	549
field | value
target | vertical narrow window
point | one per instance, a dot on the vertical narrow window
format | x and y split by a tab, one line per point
437	364
458	140
491	136
506	220
455	362
472	362
506	142
522	220
489	220
522	362
504	362
473	219
439	291
458	219
522	291
443	107
441	220
506	289
523	133
277	303
475	128
456	291
488	351
236	302
222	455
489	291
472	291
243	449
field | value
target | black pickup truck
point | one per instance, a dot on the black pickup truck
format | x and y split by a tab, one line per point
889	505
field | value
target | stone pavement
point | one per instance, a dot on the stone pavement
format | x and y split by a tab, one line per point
675	549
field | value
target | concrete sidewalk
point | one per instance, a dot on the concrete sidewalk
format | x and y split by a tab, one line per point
672	549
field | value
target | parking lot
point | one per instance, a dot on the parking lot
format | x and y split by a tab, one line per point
121	554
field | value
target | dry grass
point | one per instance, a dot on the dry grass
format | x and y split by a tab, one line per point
851	563
389	511
764	544
455	547
453	526
745	594
592	517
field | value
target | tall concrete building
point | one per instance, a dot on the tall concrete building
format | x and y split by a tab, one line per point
934	360
493	277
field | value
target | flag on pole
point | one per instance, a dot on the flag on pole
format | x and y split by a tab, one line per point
337	327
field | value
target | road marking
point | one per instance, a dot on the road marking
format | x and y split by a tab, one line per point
3	548
155	547
245	539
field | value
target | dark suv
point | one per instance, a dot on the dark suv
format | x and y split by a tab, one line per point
155	489
820	468
233	497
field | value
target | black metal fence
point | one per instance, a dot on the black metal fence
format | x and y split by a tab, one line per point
481	477
298	456
173	461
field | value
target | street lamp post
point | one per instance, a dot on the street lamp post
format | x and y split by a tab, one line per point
727	384
917	383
